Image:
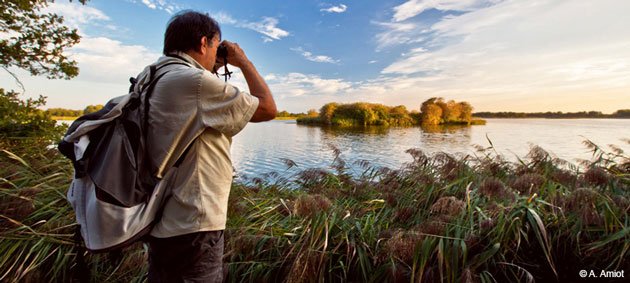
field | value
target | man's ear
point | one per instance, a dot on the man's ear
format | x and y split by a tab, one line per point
203	43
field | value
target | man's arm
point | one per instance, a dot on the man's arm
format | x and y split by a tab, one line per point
257	86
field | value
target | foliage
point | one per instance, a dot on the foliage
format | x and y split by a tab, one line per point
23	125
35	41
435	111
62	112
360	114
441	218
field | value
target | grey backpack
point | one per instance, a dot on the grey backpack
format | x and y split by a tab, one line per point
114	194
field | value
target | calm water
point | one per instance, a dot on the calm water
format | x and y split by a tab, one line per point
261	148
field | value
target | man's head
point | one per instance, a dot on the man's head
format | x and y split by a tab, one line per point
193	33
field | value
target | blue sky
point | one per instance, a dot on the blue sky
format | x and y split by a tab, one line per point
547	55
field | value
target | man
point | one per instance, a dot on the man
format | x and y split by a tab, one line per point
192	118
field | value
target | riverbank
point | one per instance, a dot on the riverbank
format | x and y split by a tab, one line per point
440	218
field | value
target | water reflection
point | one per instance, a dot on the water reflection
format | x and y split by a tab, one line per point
260	148
355	130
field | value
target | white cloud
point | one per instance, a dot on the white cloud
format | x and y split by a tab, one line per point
315	58
76	15
413	8
149	4
224	18
298	84
268	27
522	55
106	60
400	33
335	9
163	5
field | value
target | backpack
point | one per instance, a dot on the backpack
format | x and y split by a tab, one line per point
114	194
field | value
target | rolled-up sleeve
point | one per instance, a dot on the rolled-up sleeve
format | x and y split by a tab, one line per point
224	107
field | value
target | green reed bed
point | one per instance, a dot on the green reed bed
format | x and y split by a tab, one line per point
440	218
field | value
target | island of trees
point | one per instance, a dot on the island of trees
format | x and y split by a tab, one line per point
621	113
434	111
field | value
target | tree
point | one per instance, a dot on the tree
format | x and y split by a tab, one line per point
23	125
452	112
431	112
465	113
35	41
327	111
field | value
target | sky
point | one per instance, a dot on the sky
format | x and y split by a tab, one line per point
525	56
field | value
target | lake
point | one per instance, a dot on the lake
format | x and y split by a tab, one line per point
262	148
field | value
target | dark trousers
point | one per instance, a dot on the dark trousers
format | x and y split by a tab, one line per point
196	257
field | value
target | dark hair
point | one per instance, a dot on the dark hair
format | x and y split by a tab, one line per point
185	30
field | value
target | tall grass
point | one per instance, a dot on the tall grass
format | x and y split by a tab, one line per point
440	218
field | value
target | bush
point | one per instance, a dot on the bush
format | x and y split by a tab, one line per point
23	126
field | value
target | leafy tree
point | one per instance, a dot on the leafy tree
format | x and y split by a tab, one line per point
452	111
465	112
23	126
35	41
327	111
431	114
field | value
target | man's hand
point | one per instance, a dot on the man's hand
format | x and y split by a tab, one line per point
257	86
236	55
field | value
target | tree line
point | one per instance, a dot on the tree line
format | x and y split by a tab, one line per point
62	112
622	113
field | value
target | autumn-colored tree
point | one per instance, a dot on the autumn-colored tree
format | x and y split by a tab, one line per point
466	111
327	111
431	112
452	112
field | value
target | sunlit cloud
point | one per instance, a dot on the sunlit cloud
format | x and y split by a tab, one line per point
267	26
298	84
335	9
400	33
163	5
315	58
513	53
76	15
106	60
413	8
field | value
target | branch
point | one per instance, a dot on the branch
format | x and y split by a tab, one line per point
17	80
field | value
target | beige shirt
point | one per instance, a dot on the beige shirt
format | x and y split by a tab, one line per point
190	102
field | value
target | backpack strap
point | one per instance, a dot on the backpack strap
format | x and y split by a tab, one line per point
149	90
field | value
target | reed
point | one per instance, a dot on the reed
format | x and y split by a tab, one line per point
440	218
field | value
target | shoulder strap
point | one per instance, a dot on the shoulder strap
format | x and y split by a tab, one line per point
149	90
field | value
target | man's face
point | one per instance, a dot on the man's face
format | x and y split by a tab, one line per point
210	55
